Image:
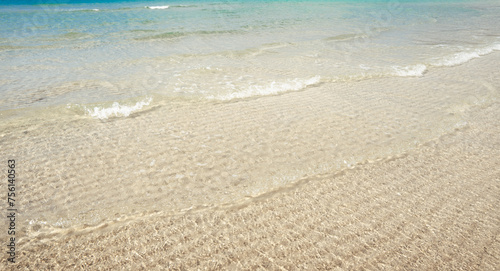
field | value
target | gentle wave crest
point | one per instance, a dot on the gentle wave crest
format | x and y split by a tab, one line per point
463	57
63	9
75	10
116	109
271	89
156	7
413	70
448	61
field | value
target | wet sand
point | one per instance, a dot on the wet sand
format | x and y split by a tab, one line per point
431	207
435	209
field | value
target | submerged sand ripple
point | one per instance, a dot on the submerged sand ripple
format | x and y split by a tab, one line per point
383	174
436	208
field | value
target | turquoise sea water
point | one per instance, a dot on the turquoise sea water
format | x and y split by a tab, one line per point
89	54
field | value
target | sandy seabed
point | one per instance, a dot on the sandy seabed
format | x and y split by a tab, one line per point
433	207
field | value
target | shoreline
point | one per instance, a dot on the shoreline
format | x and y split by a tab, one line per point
251	135
434	206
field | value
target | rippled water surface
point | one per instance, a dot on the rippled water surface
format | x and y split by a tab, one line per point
117	109
88	53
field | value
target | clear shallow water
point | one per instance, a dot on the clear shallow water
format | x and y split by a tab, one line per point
118	110
112	51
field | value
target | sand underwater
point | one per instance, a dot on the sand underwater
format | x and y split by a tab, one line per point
287	154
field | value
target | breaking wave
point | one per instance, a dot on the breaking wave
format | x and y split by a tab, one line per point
271	89
413	70
116	110
156	7
463	57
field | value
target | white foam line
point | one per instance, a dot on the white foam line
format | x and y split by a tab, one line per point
116	109
412	70
271	89
463	57
157	7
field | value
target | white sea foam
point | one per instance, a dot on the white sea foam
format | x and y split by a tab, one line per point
413	70
116	109
157	7
77	9
271	89
453	60
463	57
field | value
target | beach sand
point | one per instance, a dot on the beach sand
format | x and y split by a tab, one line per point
430	206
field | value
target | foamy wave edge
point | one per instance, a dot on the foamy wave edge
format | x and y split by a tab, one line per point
116	109
463	57
271	89
76	10
156	7
413	70
117	9
448	61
